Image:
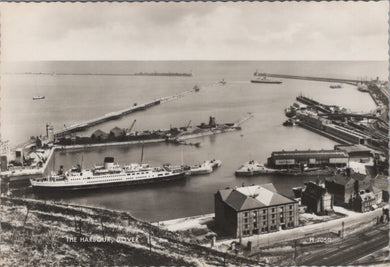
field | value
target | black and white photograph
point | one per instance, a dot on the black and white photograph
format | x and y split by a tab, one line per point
194	133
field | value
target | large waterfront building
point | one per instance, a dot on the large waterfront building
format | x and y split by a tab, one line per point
345	186
317	199
351	136
311	158
256	209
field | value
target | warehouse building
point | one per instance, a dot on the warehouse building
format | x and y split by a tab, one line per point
255	209
345	186
311	158
348	134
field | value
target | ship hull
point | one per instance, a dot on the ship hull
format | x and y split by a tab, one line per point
254	173
271	82
169	178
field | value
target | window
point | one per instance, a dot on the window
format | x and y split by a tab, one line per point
290	213
273	221
246	214
254	214
273	209
245	220
246	226
273	215
264	211
264	223
254	225
291	206
264	217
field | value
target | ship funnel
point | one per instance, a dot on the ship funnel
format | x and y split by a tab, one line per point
108	163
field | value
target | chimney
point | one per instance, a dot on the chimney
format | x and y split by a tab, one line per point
348	172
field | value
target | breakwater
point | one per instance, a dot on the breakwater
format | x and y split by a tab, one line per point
311	78
118	114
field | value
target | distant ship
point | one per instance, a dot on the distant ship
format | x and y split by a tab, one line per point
38	97
223	82
262	78
107	175
363	87
181	74
336	86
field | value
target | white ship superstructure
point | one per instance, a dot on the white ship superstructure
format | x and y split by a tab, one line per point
109	174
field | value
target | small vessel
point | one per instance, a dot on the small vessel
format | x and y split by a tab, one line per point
290	112
363	88
336	86
107	175
223	82
201	169
262	78
38	97
214	163
206	167
253	168
289	122
196	88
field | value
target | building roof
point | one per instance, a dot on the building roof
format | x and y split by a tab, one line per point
98	133
253	197
310	153
116	131
314	190
339	179
353	148
381	182
375	189
366	196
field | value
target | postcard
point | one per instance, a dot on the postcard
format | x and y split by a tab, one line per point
194	133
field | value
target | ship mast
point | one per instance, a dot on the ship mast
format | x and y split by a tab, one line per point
142	153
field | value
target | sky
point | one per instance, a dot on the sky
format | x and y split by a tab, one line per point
195	31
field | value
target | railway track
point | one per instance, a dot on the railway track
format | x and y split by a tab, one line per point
349	250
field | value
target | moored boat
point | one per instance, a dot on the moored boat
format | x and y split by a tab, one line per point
336	86
201	169
38	97
289	122
214	163
107	175
262	78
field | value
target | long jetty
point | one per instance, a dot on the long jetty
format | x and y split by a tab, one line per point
311	78
118	114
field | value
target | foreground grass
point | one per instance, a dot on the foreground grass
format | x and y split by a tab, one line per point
35	233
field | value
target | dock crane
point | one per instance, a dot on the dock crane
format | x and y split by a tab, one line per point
131	127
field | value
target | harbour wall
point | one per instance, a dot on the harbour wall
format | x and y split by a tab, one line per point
310	78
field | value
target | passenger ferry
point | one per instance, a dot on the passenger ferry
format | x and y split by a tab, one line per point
107	175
